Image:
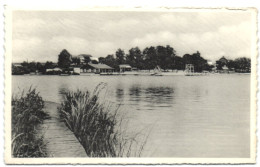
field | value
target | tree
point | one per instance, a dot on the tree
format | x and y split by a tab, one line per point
231	64
25	67
243	64
49	65
76	60
150	57
39	67
135	58
171	54
195	59
101	60
178	63
64	59
139	57
165	56
110	61
87	59
94	61
120	56
130	58
200	63
161	55
32	66
219	65
17	70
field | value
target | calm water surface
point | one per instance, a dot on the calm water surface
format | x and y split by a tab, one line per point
203	116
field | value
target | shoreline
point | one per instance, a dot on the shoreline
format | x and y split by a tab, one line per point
140	74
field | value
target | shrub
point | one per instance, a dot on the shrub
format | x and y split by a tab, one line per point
27	114
98	126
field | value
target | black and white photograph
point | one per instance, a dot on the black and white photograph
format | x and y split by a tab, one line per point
131	86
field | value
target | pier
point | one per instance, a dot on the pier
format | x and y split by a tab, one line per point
60	141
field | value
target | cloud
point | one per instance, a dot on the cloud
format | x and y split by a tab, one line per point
25	48
28	25
230	41
119	25
41	36
160	38
74	45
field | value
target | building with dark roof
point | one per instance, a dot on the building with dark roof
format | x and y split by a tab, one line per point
223	60
96	68
125	67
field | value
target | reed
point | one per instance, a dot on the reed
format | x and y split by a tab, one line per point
27	115
98	126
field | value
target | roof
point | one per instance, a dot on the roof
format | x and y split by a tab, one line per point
84	55
100	66
42	63
75	66
57	69
225	67
17	64
223	59
54	69
209	62
124	66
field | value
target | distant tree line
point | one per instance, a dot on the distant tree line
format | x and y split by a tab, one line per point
167	59
29	67
241	64
163	56
147	59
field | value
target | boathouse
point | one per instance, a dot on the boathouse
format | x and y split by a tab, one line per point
76	70
125	67
56	69
96	68
53	71
17	64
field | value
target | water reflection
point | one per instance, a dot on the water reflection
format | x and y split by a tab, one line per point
135	94
196	93
119	94
135	91
162	96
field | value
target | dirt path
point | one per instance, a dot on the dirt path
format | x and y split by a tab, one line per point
61	142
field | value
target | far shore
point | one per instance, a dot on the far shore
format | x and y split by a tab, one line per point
170	73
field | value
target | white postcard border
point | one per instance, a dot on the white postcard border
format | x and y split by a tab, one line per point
8	82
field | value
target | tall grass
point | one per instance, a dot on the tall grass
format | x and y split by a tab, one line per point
98	126
27	114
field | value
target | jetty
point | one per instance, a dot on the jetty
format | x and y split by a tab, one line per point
60	141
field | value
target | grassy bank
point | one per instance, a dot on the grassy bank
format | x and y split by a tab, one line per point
27	114
98	126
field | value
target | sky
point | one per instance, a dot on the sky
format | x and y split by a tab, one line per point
41	35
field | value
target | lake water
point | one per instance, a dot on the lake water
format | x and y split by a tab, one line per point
202	116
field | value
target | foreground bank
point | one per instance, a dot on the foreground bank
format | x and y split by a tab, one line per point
81	126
